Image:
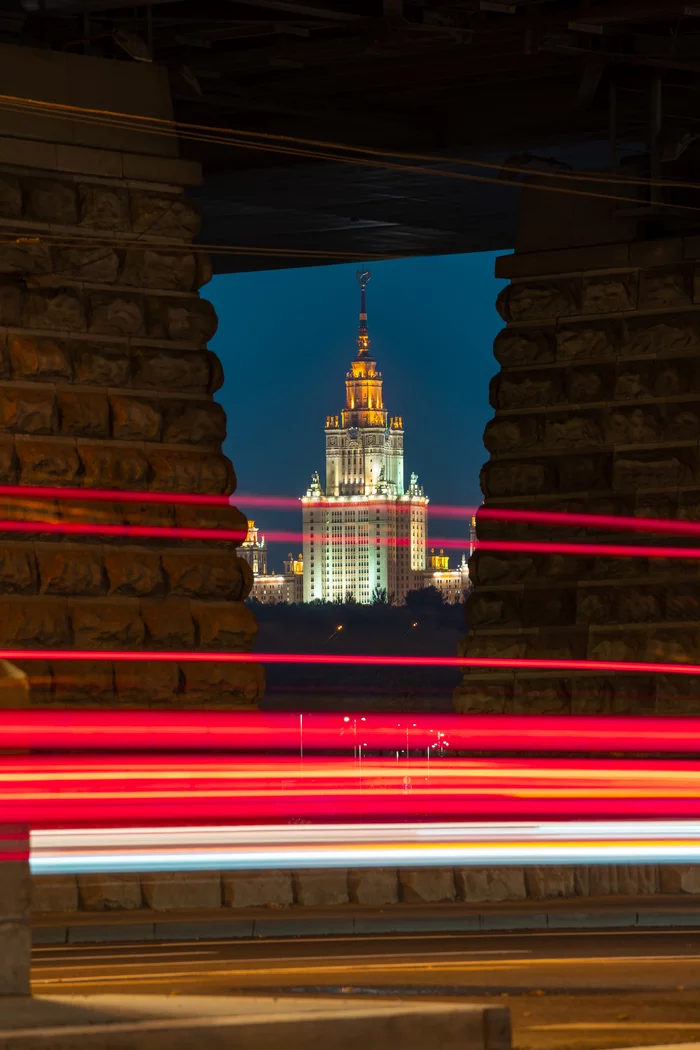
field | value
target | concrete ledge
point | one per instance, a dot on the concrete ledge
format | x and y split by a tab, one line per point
249	923
167	1023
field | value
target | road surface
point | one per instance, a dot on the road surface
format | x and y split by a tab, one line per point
567	990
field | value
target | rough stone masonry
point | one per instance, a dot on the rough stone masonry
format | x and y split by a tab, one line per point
597	411
106	382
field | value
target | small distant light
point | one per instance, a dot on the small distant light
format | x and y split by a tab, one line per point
339	627
346	719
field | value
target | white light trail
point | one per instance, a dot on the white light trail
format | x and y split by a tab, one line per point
374	845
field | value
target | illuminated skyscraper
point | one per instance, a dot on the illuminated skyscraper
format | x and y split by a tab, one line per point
364	533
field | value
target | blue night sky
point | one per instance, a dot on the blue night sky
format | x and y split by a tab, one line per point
286	338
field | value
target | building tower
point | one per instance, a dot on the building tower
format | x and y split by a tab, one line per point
365	533
254	550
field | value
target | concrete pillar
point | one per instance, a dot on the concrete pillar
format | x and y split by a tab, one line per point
15	935
597	410
106	382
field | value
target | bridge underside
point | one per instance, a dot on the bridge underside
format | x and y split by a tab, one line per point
474	79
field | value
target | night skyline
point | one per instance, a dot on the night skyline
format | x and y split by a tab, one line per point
286	338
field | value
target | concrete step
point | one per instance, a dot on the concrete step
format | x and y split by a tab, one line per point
257	1023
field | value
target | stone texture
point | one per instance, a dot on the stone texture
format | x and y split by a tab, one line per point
70	571
607	425
602	880
83	414
160	682
18	572
15	935
181	891
255	889
175	471
103	207
680	878
172	370
490	884
27	411
84	683
14	885
113	466
97	265
169	625
35	623
222	685
60	310
106	382
552	881
373	887
51	200
10	197
230	625
321	887
170	216
113	892
135	418
194	423
34	358
54	893
427	885
106	625
15	951
115	315
158	269
184	320
47	462
100	365
134	573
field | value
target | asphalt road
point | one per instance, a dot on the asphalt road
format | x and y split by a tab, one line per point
567	990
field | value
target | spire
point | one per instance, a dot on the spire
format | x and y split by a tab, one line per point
363	277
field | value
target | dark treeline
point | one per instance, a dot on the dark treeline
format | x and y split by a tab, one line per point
424	626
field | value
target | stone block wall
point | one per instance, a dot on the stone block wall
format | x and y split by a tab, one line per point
106	382
358	888
597	411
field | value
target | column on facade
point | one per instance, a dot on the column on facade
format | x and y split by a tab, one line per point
597	411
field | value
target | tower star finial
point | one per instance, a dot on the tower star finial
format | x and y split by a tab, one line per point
363	277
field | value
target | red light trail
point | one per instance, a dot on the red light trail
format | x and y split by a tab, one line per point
251	731
608	550
76	791
487	662
530	517
50	492
79	528
617	522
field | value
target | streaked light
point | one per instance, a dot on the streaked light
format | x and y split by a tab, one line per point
57	492
113	790
253	731
342	845
88	528
357	659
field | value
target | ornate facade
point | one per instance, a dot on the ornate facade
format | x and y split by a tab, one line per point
365	532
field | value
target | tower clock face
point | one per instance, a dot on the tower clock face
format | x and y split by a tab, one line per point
353	433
